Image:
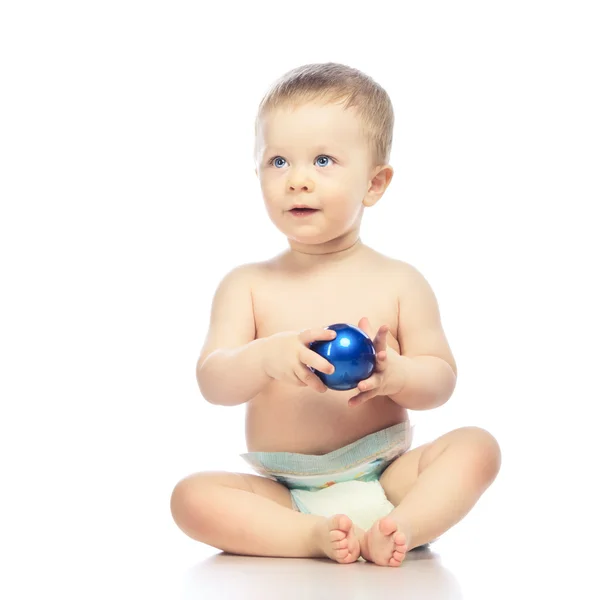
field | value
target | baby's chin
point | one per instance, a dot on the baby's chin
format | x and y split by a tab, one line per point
313	239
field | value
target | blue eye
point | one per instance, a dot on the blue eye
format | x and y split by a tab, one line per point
279	162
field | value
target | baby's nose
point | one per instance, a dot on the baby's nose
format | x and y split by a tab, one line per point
303	187
300	183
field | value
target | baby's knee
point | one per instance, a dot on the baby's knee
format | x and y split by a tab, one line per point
483	449
188	505
180	501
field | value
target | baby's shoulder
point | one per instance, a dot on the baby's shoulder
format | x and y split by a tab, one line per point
399	270
247	274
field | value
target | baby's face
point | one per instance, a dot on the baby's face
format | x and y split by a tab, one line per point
318	156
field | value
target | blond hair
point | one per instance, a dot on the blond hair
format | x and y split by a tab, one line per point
337	83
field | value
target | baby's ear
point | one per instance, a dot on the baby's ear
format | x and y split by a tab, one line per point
378	184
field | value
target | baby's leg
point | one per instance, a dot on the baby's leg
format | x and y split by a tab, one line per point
433	487
251	515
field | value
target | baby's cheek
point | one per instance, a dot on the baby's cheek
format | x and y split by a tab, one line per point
271	196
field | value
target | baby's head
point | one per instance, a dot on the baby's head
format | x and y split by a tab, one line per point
323	140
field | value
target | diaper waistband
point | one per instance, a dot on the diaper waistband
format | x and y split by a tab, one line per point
390	441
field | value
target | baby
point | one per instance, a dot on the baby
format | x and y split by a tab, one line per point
338	477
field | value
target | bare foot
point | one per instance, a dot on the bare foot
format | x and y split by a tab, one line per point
338	540
384	544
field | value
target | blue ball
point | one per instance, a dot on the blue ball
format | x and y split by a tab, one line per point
351	353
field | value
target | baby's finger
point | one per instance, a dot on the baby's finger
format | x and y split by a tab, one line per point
308	378
369	384
380	341
313	335
316	361
381	360
295	378
362	397
365	326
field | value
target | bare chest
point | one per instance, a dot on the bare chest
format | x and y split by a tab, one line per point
297	419
284	303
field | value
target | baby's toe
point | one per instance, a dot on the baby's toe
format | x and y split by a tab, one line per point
399	556
337	521
341	544
341	554
335	535
339	526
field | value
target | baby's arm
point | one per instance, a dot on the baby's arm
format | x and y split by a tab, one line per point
229	371
427	360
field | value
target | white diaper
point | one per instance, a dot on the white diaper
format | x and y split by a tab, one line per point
344	481
363	501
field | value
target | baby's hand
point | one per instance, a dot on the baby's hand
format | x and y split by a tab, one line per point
287	357
389	376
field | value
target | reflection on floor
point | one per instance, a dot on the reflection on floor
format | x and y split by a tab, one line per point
252	578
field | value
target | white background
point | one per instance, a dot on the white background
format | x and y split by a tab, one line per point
127	191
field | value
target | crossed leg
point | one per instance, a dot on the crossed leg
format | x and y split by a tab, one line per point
252	515
432	488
